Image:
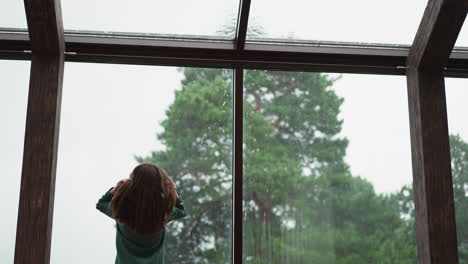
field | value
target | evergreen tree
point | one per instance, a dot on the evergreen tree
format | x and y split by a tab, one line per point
301	203
459	163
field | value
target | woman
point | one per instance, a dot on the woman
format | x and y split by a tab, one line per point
142	205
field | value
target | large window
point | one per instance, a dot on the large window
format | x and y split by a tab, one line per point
13	102
204	17
114	116
456	94
300	166
462	40
352	21
12	14
324	177
327	169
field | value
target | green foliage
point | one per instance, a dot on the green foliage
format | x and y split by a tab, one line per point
197	136
459	162
301	203
459	154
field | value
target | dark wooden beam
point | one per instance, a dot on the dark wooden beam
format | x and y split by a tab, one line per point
432	177
242	24
238	142
266	54
258	55
432	180
437	33
45	26
34	228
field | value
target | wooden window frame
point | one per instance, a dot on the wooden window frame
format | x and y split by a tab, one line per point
425	63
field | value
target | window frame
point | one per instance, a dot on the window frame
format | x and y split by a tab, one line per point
426	62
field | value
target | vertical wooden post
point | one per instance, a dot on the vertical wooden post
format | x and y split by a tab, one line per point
34	228
432	177
432	180
238	142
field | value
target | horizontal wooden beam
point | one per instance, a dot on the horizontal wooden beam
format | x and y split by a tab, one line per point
172	51
210	52
437	33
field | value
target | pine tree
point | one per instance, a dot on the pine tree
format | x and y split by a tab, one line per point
301	203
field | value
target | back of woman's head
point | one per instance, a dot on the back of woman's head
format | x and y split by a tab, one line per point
145	201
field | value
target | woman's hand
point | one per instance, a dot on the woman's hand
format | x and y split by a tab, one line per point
171	184
118	184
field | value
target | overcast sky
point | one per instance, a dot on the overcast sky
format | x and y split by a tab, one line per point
375	21
112	112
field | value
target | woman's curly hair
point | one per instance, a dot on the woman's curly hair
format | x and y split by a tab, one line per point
145	201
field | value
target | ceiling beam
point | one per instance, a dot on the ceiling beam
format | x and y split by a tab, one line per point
173	50
437	33
242	24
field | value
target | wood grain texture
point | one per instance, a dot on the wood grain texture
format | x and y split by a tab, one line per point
45	26
432	177
437	33
34	228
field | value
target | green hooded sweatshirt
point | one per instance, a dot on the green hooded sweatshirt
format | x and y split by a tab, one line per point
134	248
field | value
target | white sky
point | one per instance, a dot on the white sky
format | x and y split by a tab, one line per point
375	21
104	106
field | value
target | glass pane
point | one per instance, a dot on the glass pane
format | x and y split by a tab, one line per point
394	22
13	102
205	17
12	14
327	176
462	40
457	94
114	116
